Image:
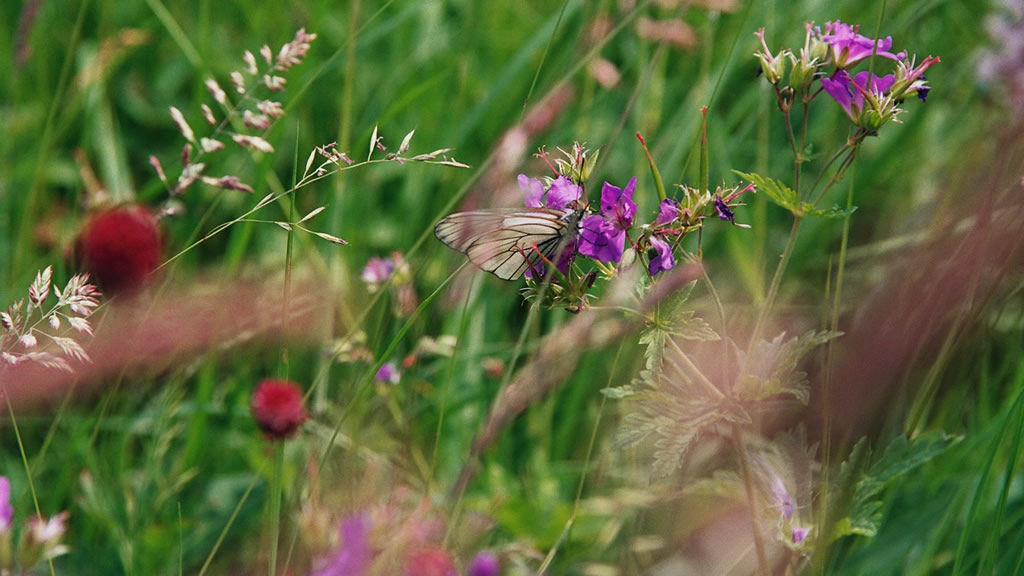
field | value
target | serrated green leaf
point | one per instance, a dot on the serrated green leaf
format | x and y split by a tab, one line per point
833	213
900	456
776	191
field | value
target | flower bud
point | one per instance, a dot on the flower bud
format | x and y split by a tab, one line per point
277	408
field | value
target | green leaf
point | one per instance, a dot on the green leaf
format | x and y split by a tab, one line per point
776	191
833	213
771	368
900	457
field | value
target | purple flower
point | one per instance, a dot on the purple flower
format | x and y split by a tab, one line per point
723	211
6	511
354	554
603	237
534	190
565	258
850	94
485	564
799	534
782	498
849	47
663	258
377	271
389	373
668	212
560	195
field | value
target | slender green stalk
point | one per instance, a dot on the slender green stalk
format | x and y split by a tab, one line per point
24	461
231	521
567	530
276	489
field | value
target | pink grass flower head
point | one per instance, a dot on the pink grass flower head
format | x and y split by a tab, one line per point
42	540
354	554
848	46
484	564
6	511
277	408
603	237
120	247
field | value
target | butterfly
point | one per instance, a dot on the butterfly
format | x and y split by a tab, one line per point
508	242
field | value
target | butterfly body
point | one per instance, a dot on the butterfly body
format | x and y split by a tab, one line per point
508	242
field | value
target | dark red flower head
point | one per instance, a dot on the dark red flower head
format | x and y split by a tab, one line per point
277	408
120	247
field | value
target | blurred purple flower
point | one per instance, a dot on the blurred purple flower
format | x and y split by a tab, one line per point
485	564
782	498
6	511
377	271
850	94
354	554
668	212
389	373
849	47
663	258
603	237
799	534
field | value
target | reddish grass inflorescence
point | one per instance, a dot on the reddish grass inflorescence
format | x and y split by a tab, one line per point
277	408
120	247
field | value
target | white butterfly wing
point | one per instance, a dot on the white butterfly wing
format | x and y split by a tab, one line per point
502	242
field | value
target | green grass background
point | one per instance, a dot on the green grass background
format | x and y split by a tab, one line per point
168	461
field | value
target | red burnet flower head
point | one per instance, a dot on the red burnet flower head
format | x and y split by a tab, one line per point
277	408
120	247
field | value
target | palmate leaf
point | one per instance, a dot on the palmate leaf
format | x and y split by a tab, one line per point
900	457
787	198
776	191
771	368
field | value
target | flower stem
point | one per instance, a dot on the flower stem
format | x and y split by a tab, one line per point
276	489
24	460
773	289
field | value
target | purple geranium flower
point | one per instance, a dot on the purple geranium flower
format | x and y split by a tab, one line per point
603	237
560	195
663	258
534	190
850	94
6	511
668	212
723	211
849	47
354	554
485	564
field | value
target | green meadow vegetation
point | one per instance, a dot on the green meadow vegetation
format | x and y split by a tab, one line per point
793	345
